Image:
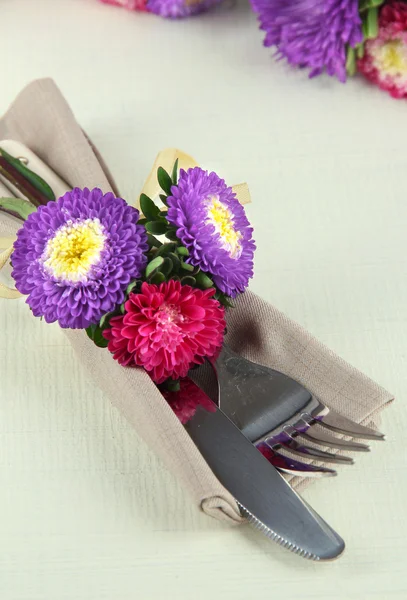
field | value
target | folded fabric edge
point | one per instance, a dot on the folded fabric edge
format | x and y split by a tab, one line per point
221	510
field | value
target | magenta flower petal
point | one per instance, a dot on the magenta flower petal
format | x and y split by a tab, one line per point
385	59
167	329
186	401
129	4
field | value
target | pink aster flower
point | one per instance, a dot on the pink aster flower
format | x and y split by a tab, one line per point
167	329
129	4
385	60
185	402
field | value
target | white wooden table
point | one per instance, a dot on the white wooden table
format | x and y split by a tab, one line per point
86	510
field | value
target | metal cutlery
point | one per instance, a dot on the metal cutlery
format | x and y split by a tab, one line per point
262	493
283	419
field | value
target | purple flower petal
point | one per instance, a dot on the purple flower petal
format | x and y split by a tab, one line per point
311	33
212	225
177	9
109	252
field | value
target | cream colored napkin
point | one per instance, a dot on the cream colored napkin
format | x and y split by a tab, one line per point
41	119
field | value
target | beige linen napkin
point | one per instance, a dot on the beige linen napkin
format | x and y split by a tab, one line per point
41	119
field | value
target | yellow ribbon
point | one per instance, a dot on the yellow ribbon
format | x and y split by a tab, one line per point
151	188
6	242
166	159
5	291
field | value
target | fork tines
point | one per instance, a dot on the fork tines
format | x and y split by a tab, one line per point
284	419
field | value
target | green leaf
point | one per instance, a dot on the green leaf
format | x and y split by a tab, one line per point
171	234
225	301
174	175
164	180
154	265
163	198
364	5
104	322
166	249
188	280
131	287
182	251
18	206
99	340
360	50
166	267
156	227
351	61
151	254
35	180
186	267
370	25
149	209
91	331
203	281
153	242
95	334
173	385
157	278
175	261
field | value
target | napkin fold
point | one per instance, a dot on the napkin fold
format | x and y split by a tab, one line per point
41	119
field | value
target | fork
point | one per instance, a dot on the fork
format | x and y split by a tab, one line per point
281	417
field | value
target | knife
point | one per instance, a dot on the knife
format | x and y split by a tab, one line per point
265	498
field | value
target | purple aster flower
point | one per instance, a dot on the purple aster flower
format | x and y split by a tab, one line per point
212	225
75	257
311	33
177	9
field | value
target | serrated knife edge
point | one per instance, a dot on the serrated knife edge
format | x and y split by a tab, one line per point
265	497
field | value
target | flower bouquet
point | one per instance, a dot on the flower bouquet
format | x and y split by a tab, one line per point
144	296
88	261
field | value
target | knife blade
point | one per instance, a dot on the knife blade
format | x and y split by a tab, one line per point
262	493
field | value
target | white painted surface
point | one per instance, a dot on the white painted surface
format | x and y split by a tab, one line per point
86	511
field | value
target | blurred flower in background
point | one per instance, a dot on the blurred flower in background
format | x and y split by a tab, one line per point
170	9
129	4
336	37
385	57
311	34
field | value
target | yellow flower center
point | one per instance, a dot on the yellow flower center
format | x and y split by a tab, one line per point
222	219
75	248
391	58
